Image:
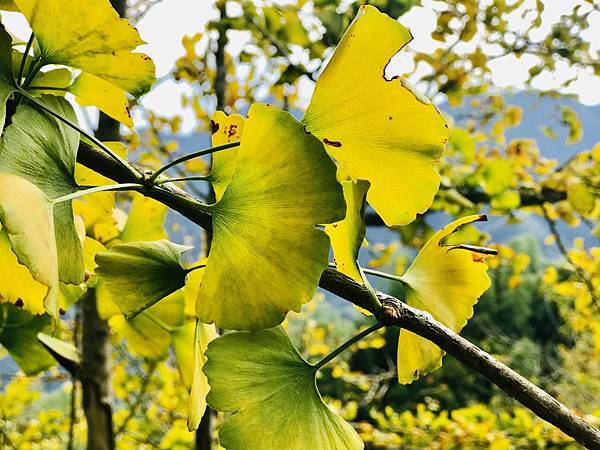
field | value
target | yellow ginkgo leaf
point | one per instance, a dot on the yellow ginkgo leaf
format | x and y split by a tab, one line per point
90	90
446	281
266	256
145	221
17	285
59	79
224	129
26	217
378	128
348	235
90	36
203	335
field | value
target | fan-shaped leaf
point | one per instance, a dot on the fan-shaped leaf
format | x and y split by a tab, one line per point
39	148
139	274
446	281
63	352
272	390
90	36
266	256
26	217
378	128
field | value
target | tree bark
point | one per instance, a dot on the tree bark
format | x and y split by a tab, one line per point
95	376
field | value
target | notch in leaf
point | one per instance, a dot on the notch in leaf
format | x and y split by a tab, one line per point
378	128
446	281
272	390
266	255
139	274
97	42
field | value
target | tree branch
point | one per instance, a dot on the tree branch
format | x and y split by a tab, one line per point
394	313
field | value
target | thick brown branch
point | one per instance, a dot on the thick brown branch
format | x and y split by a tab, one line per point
396	313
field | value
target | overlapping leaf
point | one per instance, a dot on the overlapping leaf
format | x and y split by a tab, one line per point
378	128
199	388
446	281
90	36
7	81
43	150
26	218
266	256
224	129
19	337
139	274
272	390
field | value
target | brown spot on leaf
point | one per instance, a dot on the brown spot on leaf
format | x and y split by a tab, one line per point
335	144
232	131
390	118
61	312
214	126
19	303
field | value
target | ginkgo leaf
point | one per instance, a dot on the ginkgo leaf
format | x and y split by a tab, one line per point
348	235
446	281
26	216
156	269
378	128
19	337
272	390
203	335
39	148
266	255
7	80
17	285
224	129
60	79
90	90
97	41
63	352
145	221
149	334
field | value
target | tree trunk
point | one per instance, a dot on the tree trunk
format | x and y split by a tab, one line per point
95	376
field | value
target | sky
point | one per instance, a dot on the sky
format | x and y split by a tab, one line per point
166	23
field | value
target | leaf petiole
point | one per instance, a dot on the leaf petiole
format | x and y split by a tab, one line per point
160	323
93	190
347	344
24	58
189	156
190	178
199	266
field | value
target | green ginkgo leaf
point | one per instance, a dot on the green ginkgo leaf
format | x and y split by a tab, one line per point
272	390
376	127
7	80
26	217
139	274
63	352
43	150
19	337
89	35
266	255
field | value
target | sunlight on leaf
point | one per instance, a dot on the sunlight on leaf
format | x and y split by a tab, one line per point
97	41
378	128
272	390
64	352
157	271
90	90
446	281
266	256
